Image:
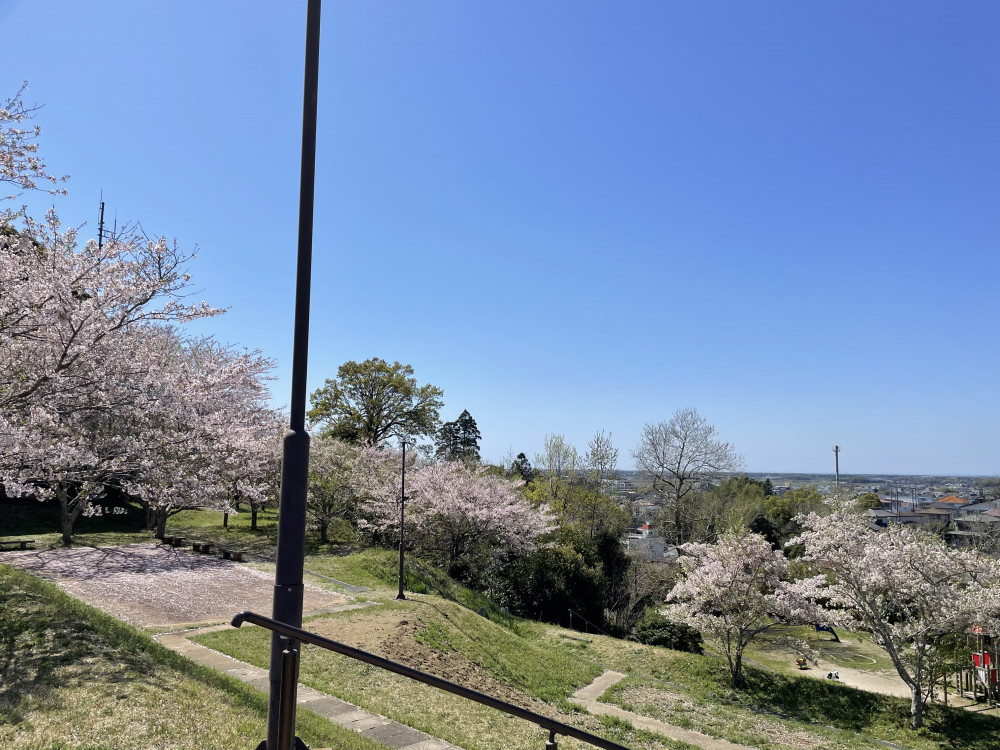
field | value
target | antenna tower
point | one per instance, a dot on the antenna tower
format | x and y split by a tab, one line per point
100	226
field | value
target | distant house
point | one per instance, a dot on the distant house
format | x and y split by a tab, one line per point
976	528
934	515
950	502
644	543
883	517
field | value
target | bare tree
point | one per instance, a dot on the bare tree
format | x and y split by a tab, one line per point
558	459
680	454
601	459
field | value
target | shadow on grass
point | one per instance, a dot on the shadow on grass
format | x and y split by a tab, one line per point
886	717
43	649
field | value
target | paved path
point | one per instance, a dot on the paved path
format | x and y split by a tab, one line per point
587	697
375	727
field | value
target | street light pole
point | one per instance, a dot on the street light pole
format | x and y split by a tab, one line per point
402	510
288	586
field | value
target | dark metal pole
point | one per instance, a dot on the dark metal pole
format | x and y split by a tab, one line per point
288	587
402	510
289	681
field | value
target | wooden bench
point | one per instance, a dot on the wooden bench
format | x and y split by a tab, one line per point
17	544
203	547
232	554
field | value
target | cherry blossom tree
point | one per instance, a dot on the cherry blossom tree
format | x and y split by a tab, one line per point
96	385
208	420
738	588
902	585
20	164
467	519
253	466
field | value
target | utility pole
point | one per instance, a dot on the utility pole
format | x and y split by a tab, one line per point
836	459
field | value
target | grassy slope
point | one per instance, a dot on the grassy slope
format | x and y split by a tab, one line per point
700	680
547	664
73	677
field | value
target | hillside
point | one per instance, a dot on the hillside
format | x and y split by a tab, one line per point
437	629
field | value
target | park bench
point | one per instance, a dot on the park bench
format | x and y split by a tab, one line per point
16	543
232	554
203	547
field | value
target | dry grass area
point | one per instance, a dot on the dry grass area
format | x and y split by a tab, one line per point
154	585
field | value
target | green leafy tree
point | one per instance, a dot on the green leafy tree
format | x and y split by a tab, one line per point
550	582
654	629
868	500
733	503
459	440
522	467
370	401
781	509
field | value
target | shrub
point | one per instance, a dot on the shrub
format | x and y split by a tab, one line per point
654	629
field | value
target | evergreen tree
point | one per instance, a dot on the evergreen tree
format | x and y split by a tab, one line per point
522	466
459	440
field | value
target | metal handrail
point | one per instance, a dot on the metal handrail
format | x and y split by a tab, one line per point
304	636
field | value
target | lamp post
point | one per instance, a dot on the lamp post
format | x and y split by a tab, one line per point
290	561
402	511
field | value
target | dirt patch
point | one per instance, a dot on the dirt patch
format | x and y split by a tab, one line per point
155	585
393	635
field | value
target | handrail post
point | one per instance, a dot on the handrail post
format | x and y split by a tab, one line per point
286	707
551	744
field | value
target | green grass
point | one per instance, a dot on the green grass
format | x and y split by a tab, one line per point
378	569
74	677
541	664
38	521
801	703
547	663
855	650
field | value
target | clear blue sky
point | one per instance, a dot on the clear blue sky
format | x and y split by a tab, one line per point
575	216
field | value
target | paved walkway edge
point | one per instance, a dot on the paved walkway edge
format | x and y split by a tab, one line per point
588	695
375	727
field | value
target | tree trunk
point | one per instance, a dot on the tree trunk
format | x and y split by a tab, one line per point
68	513
323	524
736	665
65	519
225	520
916	707
161	522
253	518
150	517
